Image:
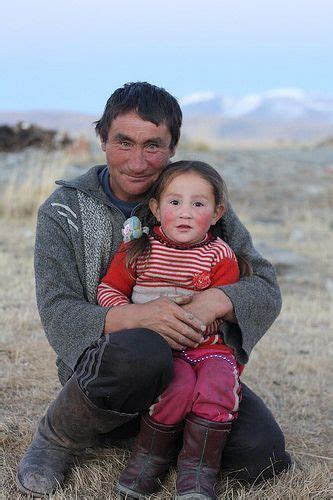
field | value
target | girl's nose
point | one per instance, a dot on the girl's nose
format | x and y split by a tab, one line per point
185	213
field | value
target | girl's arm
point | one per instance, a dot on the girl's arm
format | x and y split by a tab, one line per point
116	286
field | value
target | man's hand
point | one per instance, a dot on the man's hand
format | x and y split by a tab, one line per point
179	327
211	304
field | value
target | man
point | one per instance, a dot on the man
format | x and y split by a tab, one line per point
114	363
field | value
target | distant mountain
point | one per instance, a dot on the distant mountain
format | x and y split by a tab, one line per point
287	115
284	104
279	114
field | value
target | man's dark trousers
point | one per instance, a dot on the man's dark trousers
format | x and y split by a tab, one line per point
126	371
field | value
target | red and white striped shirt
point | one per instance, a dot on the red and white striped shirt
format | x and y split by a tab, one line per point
169	270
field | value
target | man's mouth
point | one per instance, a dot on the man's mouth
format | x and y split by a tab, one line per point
138	177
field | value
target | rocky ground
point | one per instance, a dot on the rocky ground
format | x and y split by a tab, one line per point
284	198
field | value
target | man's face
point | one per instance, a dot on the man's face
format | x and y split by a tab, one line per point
136	152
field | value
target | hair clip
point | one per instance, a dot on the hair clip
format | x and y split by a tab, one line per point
133	230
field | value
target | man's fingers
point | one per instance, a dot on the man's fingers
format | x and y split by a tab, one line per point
191	323
179	327
174	345
181	299
196	321
189	339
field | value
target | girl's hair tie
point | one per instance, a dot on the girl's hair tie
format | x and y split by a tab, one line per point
133	230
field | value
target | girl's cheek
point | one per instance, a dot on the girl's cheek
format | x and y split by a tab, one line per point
167	216
203	226
204	222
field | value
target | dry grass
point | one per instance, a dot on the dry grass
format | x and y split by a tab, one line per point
290	367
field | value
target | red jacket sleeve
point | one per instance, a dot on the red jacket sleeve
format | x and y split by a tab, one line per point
225	272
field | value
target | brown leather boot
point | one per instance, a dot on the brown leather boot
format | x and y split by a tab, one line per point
156	448
71	424
199	461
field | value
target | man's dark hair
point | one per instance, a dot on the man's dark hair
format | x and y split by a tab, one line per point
151	103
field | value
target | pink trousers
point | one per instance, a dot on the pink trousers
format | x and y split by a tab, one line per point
209	388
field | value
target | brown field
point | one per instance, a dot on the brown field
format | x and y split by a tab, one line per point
284	199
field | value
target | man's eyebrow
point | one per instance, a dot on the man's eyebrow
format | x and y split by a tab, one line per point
122	137
156	140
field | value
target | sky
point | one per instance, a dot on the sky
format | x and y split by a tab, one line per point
71	54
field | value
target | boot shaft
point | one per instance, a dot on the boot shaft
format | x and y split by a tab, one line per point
72	421
199	461
155	451
158	439
204	441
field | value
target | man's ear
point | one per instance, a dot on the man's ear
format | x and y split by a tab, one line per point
103	145
153	205
172	151
219	211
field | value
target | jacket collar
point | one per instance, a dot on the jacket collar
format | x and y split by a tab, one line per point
88	183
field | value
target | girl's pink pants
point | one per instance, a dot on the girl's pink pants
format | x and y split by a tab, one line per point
210	389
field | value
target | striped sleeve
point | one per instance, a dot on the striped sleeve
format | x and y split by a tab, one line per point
116	286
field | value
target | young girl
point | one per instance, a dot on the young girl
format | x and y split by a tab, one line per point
178	254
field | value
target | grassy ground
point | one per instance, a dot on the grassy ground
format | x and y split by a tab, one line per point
289	368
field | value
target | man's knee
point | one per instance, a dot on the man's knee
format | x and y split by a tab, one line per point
140	356
256	447
127	370
258	460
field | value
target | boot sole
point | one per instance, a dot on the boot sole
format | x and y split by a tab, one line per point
31	493
128	493
192	496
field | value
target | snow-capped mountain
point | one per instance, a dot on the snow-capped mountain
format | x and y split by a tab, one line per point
286	114
286	104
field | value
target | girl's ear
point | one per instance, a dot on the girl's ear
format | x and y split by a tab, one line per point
153	205
219	211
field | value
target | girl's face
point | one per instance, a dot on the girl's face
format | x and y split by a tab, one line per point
186	208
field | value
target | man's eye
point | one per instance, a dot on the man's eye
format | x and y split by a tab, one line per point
125	144
152	147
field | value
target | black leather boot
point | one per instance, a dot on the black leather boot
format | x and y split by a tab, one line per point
71	423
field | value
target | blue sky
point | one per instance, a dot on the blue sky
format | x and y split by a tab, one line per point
71	54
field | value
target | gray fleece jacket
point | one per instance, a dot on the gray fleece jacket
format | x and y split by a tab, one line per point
78	232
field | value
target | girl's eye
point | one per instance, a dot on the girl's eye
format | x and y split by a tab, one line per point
198	204
174	202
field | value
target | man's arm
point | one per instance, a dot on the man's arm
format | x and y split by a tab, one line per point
70	322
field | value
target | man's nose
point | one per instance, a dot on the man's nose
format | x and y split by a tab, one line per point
138	160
